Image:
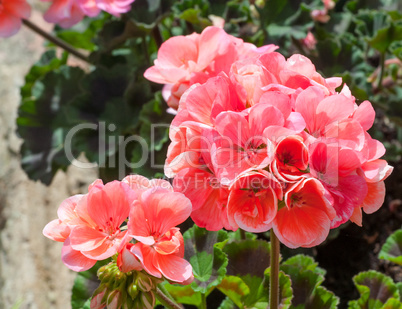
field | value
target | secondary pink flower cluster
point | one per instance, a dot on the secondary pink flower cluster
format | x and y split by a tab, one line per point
187	60
67	13
11	13
269	143
92	228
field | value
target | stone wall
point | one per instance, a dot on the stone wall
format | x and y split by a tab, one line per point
31	272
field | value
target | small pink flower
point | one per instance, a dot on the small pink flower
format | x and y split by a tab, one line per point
89	225
66	13
296	72
291	159
253	201
305	219
210	211
11	13
309	41
329	4
114	7
243	145
153	218
320	16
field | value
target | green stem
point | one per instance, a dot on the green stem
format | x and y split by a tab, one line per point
166	301
243	234
203	301
274	280
165	291
55	40
382	67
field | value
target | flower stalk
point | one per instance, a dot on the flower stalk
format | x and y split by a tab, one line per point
274	278
55	40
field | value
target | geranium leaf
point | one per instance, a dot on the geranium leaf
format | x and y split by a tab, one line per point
248	257
375	289
184	294
306	278
227	304
285	290
85	284
392	303
43	126
205	256
392	249
323	299
236	236
305	262
234	288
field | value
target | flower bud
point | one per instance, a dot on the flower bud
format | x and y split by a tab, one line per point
133	290
147	300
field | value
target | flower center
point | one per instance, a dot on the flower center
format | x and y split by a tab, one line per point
297	200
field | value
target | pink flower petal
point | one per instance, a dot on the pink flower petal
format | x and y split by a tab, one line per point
85	238
56	230
75	260
374	198
174	268
365	115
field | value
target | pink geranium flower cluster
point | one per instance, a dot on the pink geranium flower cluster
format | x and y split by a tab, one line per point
267	142
11	14
187	60
134	219
67	13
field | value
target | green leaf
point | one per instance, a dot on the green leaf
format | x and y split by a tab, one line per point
392	249
85	284
203	251
184	294
323	299
285	290
392	303
375	290
248	257
80	293
305	262
236	236
153	128
227	304
234	288
306	279
81	35
47	63
42	124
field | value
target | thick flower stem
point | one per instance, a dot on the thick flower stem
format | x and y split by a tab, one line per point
274	280
166	301
203	301
55	40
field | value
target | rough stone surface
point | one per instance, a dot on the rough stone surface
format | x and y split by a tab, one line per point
31	272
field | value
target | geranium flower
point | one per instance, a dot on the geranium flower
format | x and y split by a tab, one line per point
89	225
186	60
67	13
253	201
11	13
153	220
305	219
